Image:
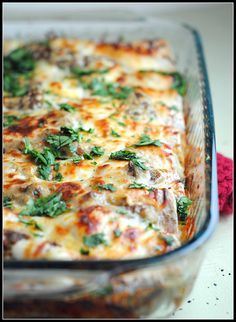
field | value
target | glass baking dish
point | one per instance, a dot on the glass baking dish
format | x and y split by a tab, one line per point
139	287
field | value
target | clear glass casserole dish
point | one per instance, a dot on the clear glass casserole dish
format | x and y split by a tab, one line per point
128	288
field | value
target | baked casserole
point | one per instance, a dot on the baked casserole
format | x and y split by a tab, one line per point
94	150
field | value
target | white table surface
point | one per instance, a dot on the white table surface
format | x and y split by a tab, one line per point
212	295
211	301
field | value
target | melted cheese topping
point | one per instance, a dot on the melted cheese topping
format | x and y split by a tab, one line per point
135	222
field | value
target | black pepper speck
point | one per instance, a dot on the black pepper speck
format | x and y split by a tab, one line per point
189	301
214	284
217	298
229	273
222	270
207	302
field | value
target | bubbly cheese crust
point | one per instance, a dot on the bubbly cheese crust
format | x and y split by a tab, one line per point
116	209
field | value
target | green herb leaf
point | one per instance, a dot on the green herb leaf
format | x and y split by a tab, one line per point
108	186
94	240
45	158
128	155
173	108
121	123
31	222
139	164
84	251
82	129
115	134
122	155
18	66
152	226
136	185
44	171
87	156
100	88
183	204
10	120
51	206
58	141
117	232
7	202
73	134
122	211
56	166
67	107
146	140
85	72
77	159
97	151
58	177
168	239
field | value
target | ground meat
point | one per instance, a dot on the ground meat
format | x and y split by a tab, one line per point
11	237
32	100
140	106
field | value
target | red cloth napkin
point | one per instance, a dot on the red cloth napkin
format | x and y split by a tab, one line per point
225	184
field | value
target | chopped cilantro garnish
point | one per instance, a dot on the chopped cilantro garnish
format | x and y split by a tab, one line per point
100	88
73	134
122	211
136	185
94	240
10	120
50	206
108	186
139	164
56	166
123	155
152	226
58	141
87	156
121	123
44	171
97	151
85	72
7	202
84	251
77	158
58	177
45	159
183	204
32	223
82	129
168	239
115	134
128	155
18	66
117	232
173	108
146	140
67	107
